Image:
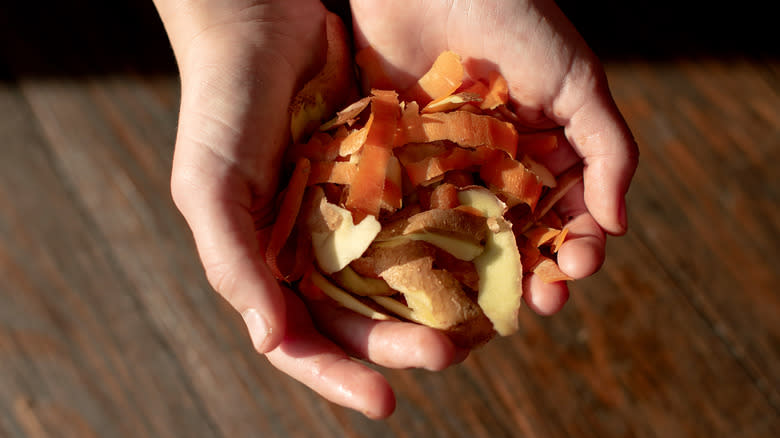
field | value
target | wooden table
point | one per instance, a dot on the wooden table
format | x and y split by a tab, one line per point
108	327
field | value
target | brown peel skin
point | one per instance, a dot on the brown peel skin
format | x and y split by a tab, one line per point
379	258
460	224
472	333
435	296
356	284
395	224
437	300
325	93
463	271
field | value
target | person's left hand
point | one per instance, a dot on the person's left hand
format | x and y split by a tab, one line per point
240	63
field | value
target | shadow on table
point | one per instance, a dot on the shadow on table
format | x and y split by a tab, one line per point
53	38
95	37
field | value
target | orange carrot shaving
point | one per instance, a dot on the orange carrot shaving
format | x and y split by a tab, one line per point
550	219
542	172
354	140
385	109
443	78
320	147
478	88
347	115
302	257
536	144
548	270
329	151
541	235
336	172
430	168
559	239
366	192
509	177
288	212
410	125
412	152
498	92
530	256
444	196
461	127
566	181
367	189
392	196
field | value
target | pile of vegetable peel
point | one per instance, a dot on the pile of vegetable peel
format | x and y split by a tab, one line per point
424	204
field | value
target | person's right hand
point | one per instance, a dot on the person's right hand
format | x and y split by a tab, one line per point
555	80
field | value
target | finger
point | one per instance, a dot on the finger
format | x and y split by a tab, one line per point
390	344
582	254
598	133
217	211
544	298
309	357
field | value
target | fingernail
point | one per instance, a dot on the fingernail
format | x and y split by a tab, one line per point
259	331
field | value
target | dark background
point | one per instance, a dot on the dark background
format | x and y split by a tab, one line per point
67	32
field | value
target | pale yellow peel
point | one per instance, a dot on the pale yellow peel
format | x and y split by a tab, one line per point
459	248
345	299
340	241
499	266
360	285
396	307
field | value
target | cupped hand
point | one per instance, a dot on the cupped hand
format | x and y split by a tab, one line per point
240	62
555	80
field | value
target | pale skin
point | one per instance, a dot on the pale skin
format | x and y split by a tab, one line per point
241	62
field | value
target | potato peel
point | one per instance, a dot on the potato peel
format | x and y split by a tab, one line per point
345	299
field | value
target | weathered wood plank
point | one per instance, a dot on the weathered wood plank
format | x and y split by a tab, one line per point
72	336
110	152
708	198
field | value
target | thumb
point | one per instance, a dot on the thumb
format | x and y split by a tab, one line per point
218	207
223	180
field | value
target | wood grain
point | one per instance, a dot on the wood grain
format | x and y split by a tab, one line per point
108	327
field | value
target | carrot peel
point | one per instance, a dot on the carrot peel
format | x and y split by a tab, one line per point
288	213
